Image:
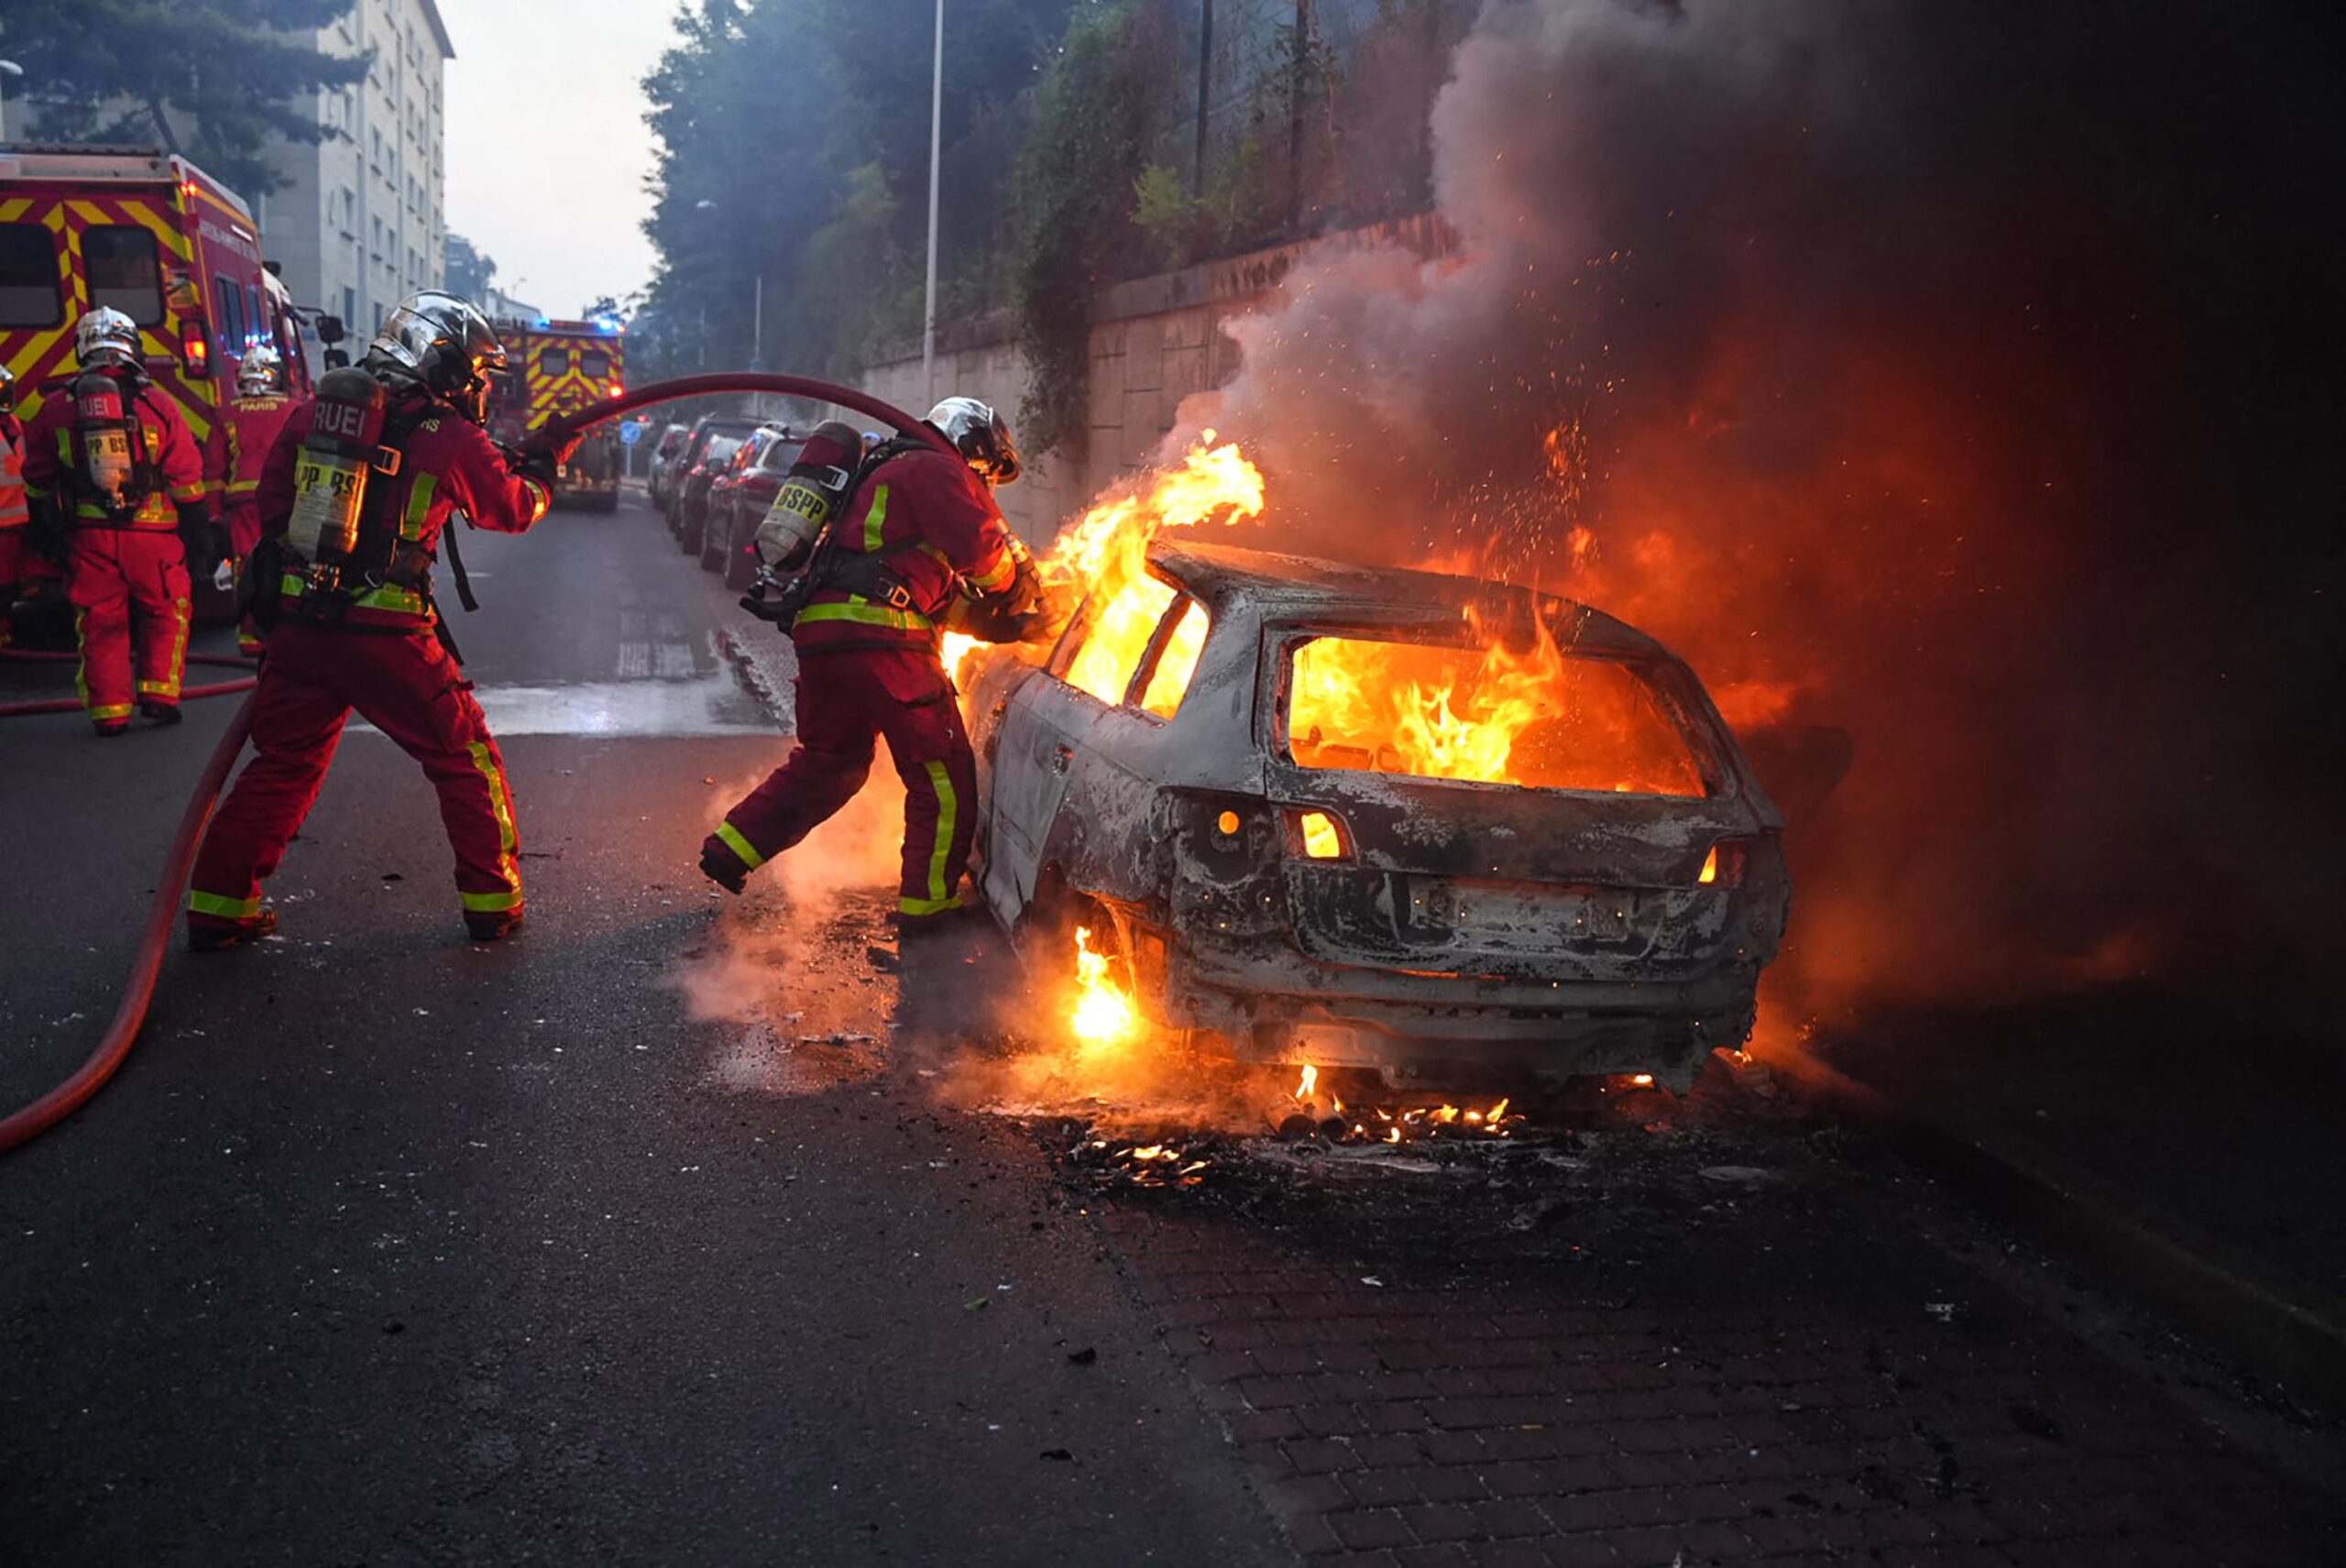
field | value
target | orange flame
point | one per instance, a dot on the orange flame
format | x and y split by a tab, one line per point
1103	1014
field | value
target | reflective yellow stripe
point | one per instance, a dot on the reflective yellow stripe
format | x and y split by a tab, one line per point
874	519
242	486
927	905
419	503
109	710
182	619
491	903
947	812
392	597
864	612
225	908
732	840
291	583
986	582
485	759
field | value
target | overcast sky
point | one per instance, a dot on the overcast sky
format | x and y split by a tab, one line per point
547	147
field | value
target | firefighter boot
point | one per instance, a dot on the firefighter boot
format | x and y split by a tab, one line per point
492	924
157	711
107	728
211	936
721	866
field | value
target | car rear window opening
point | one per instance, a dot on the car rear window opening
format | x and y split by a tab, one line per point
1542	719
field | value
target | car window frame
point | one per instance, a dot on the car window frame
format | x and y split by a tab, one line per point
1080	626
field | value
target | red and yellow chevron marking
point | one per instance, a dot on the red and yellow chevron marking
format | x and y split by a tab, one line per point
40	355
550	395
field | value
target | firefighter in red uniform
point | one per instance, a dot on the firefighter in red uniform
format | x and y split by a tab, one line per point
355	503
16	512
886	545
112	455
241	440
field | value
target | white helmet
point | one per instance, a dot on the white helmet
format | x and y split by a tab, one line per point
261	370
107	337
981	435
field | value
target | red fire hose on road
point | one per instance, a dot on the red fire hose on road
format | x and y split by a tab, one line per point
146	963
73	704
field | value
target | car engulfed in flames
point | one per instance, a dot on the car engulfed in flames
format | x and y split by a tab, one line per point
1446	829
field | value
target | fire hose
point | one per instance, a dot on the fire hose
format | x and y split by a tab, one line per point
73	704
146	962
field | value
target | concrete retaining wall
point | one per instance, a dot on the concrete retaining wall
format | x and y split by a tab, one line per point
1155	341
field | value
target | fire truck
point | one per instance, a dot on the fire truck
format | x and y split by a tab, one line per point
154	237
555	368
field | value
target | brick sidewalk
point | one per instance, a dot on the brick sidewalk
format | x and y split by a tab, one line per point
1794	1378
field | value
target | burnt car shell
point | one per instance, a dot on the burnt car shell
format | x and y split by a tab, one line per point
1468	931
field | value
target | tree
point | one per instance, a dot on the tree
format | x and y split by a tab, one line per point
472	272
214	81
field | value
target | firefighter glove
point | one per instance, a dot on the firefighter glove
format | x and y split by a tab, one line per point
544	451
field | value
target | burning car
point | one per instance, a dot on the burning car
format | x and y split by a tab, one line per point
1431	826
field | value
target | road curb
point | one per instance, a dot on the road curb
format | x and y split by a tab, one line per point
2285	1330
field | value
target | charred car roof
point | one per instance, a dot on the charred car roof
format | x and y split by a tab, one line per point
1303	588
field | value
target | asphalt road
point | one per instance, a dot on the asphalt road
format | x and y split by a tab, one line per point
389	1248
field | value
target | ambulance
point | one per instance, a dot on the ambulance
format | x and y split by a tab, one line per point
557	367
154	237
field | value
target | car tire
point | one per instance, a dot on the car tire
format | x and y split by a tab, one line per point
689	529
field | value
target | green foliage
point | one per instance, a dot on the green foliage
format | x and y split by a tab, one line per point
217	81
471	271
1097	116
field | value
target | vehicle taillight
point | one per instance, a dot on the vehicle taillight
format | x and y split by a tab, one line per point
616	389
1322	835
195	346
1723	867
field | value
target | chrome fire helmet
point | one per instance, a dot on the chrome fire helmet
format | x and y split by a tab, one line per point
261	370
7	390
105	339
981	435
444	346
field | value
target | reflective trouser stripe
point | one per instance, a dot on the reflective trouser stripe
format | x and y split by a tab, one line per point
223	908
927	905
168	687
485	759
948	811
731	836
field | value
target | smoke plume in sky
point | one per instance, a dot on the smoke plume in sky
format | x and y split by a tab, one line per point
1957	375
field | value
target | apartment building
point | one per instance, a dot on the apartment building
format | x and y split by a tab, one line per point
361	221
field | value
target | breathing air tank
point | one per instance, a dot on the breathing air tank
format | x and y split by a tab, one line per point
101	430
330	479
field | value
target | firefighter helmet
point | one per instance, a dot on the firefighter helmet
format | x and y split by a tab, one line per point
7	390
262	370
444	344
981	435
106	338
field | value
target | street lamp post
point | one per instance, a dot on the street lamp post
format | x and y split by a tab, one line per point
9	68
936	143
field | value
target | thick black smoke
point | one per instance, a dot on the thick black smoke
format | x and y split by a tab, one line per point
1963	374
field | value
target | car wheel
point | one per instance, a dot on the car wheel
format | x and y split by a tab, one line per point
688	533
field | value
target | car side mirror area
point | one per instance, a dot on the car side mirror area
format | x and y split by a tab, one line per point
330	332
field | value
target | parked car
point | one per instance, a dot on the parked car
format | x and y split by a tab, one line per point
692	488
1263	783
709	427
738	501
665	448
